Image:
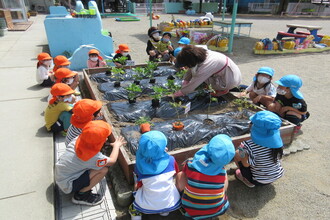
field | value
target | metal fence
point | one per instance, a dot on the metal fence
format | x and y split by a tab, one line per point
145	7
263	7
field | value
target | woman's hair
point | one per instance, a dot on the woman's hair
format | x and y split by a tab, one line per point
191	55
264	86
277	154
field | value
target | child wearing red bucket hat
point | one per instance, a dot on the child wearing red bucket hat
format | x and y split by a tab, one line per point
95	60
289	102
258	159
65	75
82	165
122	51
58	112
155	169
204	195
61	61
44	76
84	111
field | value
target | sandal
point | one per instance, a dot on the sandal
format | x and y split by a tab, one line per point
239	176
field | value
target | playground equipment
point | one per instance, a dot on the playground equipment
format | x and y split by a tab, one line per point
76	35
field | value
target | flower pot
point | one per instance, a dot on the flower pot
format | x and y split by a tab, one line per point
170	77
116	84
152	80
145	127
136	82
178	126
155	103
108	72
208	121
131	101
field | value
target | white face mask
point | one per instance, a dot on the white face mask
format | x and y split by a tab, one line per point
94	59
68	99
69	81
47	62
263	80
124	54
280	91
155	35
165	40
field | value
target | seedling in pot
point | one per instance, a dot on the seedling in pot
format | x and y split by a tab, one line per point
158	93
172	87
117	74
121	60
139	75
210	90
180	74
144	123
243	103
132	92
177	125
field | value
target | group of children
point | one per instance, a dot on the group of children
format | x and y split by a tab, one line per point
286	100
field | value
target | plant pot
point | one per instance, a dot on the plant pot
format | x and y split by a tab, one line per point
108	72
170	77
152	80
2	32
131	101
155	103
136	82
145	127
116	84
178	126
208	121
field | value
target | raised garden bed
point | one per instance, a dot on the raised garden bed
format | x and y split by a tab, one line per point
206	118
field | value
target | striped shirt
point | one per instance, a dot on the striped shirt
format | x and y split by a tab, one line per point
72	133
262	166
204	195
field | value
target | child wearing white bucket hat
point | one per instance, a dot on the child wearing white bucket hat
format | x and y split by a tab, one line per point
156	192
258	159
289	102
204	194
261	90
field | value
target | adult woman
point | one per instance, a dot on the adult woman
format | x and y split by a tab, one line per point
207	66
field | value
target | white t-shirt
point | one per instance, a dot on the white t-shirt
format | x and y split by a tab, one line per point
269	90
69	167
42	74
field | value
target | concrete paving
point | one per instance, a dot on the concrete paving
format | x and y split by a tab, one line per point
26	148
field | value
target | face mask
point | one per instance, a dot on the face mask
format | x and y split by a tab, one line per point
69	81
280	91
94	59
124	54
68	99
165	40
263	80
155	35
47	62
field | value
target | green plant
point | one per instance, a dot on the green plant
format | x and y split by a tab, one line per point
180	74
158	92
117	73
243	103
210	90
143	119
171	86
150	68
132	91
121	60
177	106
140	73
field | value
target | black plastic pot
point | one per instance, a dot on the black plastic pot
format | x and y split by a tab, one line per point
131	101
170	77
155	103
116	84
136	82
108	72
152	80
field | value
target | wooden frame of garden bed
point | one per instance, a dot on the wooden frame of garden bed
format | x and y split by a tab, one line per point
180	155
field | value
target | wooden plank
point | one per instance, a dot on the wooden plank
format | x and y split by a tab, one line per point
308	27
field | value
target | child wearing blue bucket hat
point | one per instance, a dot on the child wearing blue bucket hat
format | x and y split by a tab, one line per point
258	159
289	102
204	193
181	44
261	90
155	169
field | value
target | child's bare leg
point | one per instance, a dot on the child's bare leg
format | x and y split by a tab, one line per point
294	113
266	100
95	177
252	95
274	107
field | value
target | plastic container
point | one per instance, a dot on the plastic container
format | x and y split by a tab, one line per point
3	32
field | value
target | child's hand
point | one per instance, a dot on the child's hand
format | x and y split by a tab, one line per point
170	47
152	53
165	52
119	141
257	99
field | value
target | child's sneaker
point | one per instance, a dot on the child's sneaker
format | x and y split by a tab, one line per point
239	176
297	129
164	214
87	198
135	214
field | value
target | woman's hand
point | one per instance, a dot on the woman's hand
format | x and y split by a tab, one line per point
152	53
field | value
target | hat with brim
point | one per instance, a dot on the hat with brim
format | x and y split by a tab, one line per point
60	89
265	129
92	138
83	112
61	60
265	70
151	158
294	83
211	158
154	32
184	40
62	73
95	52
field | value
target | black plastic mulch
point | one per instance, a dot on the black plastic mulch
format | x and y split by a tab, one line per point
195	130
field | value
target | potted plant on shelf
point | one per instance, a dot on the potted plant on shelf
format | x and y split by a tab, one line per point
132	92
158	93
177	125
117	74
144	123
140	72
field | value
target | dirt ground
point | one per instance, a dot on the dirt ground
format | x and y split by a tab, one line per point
303	192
